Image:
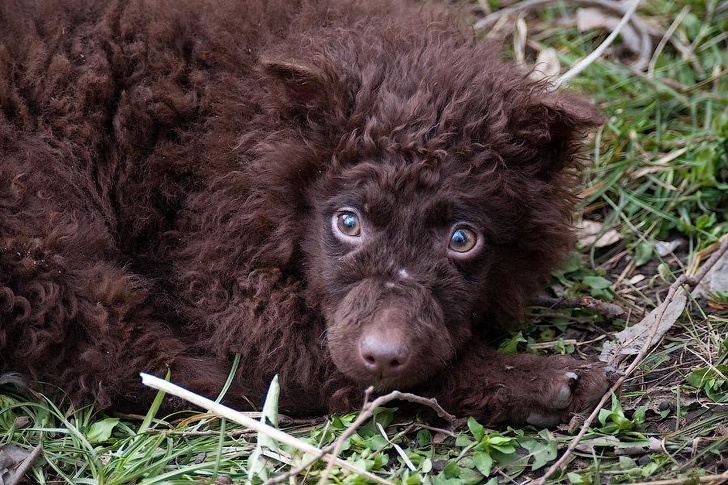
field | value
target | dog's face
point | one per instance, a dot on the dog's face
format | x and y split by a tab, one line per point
402	262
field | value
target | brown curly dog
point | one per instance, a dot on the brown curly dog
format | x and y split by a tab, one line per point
344	193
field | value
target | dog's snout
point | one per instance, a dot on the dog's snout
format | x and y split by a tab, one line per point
383	355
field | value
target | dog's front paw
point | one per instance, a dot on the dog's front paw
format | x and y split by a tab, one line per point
570	387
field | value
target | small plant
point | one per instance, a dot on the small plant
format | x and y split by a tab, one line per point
712	381
615	422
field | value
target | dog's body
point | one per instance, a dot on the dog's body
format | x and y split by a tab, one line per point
346	194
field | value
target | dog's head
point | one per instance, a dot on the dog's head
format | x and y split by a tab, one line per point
443	201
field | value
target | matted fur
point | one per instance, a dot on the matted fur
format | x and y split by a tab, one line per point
170	171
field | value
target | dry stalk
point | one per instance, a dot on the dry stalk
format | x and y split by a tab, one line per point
365	414
235	416
368	411
608	310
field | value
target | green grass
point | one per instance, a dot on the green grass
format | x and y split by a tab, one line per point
659	173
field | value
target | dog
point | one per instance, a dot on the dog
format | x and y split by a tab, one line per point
344	193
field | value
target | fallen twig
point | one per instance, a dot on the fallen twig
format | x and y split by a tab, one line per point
676	286
610	311
368	411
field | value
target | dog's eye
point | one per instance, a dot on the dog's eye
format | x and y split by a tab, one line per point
462	240
348	224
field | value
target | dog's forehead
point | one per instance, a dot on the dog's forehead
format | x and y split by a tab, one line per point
385	191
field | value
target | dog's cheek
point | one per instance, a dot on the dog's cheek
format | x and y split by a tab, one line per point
342	337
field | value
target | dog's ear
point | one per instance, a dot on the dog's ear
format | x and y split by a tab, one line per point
552	130
297	85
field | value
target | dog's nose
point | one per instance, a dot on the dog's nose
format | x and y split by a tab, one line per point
383	356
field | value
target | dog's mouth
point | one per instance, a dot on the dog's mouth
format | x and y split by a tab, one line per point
389	351
381	380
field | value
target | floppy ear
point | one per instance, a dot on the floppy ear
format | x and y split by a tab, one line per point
552	129
299	86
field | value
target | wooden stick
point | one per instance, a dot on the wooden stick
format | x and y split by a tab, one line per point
229	413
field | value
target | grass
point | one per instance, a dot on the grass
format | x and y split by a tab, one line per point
659	174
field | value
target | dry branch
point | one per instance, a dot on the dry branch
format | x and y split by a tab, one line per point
610	311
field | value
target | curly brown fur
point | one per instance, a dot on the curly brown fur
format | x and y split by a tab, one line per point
174	177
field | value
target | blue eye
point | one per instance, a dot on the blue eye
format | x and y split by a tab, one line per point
347	223
462	240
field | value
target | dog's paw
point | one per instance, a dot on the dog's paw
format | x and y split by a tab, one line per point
572	387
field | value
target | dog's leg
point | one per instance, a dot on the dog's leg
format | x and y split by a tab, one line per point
523	388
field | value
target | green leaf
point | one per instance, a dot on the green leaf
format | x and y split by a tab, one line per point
451	470
463	440
383	416
424	437
572	264
500	443
483	462
542	452
643	252
476	429
597	282
510	346
101	431
577	479
710	381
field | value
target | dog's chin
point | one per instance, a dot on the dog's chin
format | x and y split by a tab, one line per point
381	383
386	384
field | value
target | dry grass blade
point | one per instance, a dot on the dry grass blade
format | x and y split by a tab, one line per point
577	68
665	38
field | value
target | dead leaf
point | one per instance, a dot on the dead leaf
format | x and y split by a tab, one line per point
547	65
594	18
663	248
653	444
15	462
591	232
631	340
716	279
